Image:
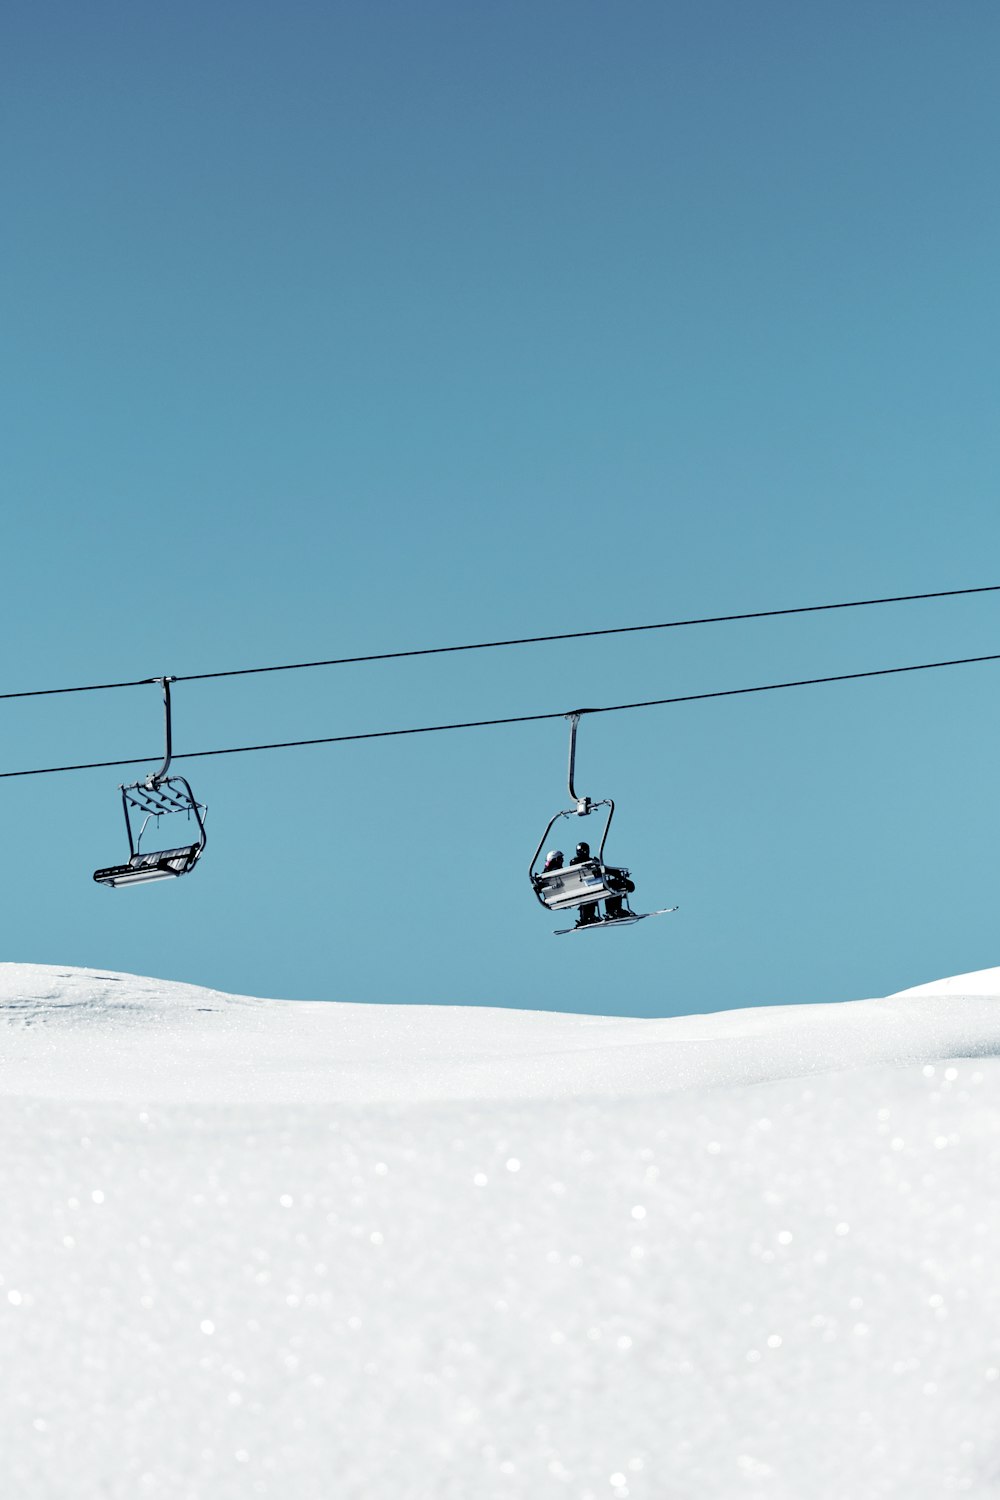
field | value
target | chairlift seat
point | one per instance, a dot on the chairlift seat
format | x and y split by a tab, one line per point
574	885
157	864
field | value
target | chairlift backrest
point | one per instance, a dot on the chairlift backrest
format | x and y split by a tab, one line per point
156	798
153	799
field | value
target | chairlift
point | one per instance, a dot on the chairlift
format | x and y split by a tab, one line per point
158	796
585	883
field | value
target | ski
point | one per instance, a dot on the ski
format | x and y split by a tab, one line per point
629	920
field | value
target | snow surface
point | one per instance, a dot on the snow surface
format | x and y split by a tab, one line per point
257	1247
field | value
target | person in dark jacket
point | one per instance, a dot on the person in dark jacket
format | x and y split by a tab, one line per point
619	881
588	912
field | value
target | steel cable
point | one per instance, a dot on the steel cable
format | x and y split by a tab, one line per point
526	640
613	708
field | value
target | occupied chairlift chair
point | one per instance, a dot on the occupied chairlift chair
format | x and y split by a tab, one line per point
590	881
156	796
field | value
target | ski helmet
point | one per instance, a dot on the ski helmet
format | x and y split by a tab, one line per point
583	850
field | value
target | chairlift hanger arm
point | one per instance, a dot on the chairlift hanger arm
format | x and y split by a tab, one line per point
574	721
167	730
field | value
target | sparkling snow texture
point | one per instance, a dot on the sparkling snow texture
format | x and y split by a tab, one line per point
257	1247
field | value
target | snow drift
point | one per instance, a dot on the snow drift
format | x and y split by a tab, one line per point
272	1248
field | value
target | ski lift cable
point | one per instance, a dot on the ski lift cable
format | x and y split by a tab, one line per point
526	640
612	708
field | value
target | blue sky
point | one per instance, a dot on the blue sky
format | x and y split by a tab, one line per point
332	329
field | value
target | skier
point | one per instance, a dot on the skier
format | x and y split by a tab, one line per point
618	880
588	912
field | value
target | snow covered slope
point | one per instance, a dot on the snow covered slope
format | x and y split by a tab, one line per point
270	1248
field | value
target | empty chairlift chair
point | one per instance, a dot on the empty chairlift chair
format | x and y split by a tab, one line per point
158	796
